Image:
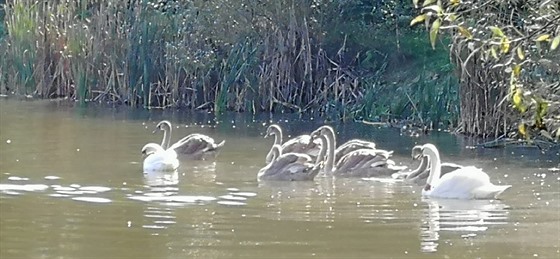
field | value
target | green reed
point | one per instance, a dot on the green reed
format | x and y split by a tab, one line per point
196	55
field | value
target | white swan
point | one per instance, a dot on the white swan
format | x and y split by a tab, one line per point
194	146
158	159
300	144
363	163
467	182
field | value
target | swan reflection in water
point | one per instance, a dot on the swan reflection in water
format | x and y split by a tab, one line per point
467	217
161	178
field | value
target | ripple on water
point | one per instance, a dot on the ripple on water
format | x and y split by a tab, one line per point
17	178
172	198
23	187
244	194
232	197
231	203
92	199
95	189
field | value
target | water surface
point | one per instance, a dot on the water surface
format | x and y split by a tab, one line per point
71	186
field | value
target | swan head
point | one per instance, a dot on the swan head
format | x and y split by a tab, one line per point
323	130
417	152
163	125
151	148
429	149
272	130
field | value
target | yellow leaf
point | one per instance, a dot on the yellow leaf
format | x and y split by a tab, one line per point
517	70
518	100
417	19
455	2
494	52
415	2
497	31
555	42
543	37
434	31
523	129
520	53
463	31
428	2
504	44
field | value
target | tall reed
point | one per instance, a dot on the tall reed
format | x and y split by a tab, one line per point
218	55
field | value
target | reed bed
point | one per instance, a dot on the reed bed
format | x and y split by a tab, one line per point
213	55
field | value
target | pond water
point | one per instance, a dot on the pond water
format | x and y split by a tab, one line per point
71	186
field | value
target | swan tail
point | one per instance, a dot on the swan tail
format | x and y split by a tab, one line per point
490	191
219	145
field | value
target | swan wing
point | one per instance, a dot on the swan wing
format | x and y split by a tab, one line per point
352	145
449	167
196	145
302	144
365	163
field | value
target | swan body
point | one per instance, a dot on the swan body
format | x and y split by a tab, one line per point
157	159
194	146
289	167
300	144
362	162
467	182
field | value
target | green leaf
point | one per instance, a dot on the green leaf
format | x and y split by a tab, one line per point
555	42
542	108
496	31
417	19
436	8
494	52
434	31
428	2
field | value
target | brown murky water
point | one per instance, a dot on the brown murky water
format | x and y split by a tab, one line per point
71	186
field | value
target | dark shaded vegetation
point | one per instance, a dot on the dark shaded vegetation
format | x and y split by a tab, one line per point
346	60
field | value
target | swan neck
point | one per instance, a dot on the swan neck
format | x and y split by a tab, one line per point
278	137
166	136
435	165
331	144
421	168
322	150
276	152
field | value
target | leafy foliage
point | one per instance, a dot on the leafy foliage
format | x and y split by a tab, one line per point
506	52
